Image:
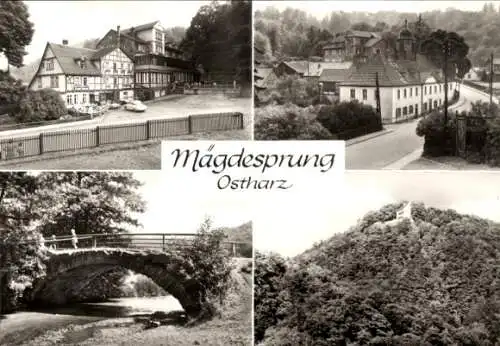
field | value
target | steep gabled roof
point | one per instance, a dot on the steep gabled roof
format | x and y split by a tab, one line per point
142	27
105	51
391	73
333	75
68	56
299	66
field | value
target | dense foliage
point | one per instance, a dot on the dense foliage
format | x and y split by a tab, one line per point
11	92
287	124
16	31
210	266
346	116
40	105
440	138
388	282
287	33
51	203
219	39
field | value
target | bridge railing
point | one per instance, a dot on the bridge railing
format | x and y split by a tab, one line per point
149	241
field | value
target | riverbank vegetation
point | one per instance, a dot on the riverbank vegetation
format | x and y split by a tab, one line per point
433	281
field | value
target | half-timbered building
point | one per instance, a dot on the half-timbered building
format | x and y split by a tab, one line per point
85	76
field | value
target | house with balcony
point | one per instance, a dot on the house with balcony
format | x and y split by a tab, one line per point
159	66
83	75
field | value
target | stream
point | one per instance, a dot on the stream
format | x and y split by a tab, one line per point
21	327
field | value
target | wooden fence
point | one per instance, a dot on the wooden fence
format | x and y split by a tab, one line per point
65	140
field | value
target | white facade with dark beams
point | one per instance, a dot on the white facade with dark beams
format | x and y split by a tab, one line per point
85	76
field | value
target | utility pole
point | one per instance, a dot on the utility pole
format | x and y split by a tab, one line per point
377	97
491	82
446	51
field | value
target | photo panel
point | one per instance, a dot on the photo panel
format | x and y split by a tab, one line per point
113	257
103	96
407	84
393	258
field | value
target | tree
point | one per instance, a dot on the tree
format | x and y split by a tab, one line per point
219	38
288	126
433	48
16	31
40	105
89	202
11	92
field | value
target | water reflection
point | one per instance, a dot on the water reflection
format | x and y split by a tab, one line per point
121	307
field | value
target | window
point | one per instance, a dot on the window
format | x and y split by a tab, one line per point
435	103
411	92
159	36
411	110
440	102
353	93
399	94
84	81
435	89
398	113
84	98
416	91
68	99
115	82
468	76
404	93
440	90
405	110
416	109
54	82
430	90
365	94
125	93
75	99
49	66
114	66
425	106
425	90
40	82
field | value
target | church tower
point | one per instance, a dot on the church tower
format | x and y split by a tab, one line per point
406	48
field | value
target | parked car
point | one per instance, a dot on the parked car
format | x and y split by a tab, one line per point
136	106
114	105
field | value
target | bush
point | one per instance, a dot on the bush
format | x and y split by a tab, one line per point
40	105
288	126
492	142
211	267
347	116
439	138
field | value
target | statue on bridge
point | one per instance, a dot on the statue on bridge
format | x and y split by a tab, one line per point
74	239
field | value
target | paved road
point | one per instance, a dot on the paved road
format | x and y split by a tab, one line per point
179	106
382	151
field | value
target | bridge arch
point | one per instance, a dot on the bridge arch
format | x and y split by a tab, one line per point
74	268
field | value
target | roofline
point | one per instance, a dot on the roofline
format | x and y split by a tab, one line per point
40	65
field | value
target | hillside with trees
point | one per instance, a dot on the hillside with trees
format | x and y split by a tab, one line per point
294	33
434	281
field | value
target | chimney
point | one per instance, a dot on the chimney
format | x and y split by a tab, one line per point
118	36
65	42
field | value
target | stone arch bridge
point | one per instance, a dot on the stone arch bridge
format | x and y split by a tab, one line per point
68	271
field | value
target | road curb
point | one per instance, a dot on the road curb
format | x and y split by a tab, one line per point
367	137
405	160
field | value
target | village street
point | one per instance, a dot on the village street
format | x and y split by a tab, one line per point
399	144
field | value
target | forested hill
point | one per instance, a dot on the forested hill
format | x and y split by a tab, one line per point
384	282
294	33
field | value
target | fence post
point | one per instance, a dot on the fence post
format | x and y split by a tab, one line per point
242	118
163	242
97	136
190	123
148	130
40	140
94	241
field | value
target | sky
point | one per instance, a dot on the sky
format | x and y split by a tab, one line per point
80	20
320	9
296	224
171	212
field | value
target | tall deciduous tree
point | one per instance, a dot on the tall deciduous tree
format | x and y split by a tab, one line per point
433	48
89	202
16	31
